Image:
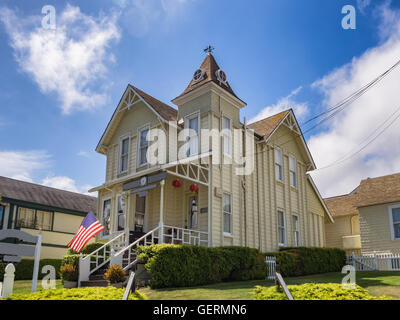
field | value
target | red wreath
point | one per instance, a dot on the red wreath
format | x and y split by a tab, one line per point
194	188
177	183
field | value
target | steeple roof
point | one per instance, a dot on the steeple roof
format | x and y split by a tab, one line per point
210	67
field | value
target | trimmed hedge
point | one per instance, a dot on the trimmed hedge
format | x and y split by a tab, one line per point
299	261
184	266
87	249
108	293
316	291
24	268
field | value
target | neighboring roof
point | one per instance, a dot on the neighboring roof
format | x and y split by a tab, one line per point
379	190
342	205
38	194
210	67
267	126
165	111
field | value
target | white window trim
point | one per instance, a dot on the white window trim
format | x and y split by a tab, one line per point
298	225
138	135
284	226
120	154
223	136
391	222
227	234
282	165
295	172
102	215
186	126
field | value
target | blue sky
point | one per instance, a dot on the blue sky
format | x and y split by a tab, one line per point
277	54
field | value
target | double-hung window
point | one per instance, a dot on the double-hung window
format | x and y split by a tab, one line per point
296	230
281	228
193	124
124	155
293	171
227	136
227	211
143	146
394	213
278	164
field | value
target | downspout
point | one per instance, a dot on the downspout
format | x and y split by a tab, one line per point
258	201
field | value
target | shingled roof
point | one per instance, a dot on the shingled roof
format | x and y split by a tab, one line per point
266	127
210	67
165	111
379	190
38	194
342	205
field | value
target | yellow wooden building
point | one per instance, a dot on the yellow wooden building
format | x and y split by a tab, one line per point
36	209
191	197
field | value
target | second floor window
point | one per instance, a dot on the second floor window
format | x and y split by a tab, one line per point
193	123
227	136
124	155
279	164
293	171
143	146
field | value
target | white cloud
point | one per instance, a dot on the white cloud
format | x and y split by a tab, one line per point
66	183
69	60
350	128
21	165
363	4
84	154
142	16
300	108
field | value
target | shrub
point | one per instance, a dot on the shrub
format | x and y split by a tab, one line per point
319	260
115	274
69	272
87	249
289	263
94	293
24	268
315	291
183	266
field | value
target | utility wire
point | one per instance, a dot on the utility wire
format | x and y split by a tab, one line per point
366	145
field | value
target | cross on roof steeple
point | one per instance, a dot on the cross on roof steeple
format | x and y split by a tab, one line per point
209	49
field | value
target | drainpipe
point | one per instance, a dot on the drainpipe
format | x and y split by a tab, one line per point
161	233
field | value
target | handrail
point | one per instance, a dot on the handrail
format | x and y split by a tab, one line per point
136	241
102	247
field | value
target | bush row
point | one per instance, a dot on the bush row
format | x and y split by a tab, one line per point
316	291
24	268
184	266
300	261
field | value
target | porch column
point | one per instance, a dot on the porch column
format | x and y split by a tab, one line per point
161	233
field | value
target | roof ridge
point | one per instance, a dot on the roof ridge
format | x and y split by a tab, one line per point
340	196
274	115
47	187
387	175
144	92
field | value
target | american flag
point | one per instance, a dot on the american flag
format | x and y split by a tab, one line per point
90	226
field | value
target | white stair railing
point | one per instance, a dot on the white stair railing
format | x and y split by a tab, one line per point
130	251
176	235
98	258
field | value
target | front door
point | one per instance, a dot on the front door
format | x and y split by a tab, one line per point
140	212
192	214
120	213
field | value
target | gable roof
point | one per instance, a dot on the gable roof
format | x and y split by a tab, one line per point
312	183
341	206
379	190
38	194
210	66
267	126
161	109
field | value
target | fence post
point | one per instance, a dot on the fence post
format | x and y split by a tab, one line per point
8	283
353	260
375	261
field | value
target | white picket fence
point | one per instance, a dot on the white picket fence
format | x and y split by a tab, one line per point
380	262
271	262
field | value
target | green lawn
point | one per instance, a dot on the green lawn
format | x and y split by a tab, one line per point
377	283
24	286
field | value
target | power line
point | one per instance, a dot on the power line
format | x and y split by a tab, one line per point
366	145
